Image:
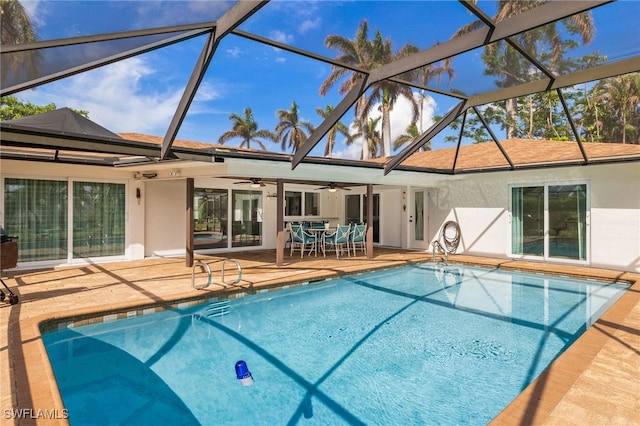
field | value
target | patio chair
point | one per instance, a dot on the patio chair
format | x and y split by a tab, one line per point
358	237
302	240
450	237
338	240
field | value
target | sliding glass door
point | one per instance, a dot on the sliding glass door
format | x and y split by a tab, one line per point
549	221
37	211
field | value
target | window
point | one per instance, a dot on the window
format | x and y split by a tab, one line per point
294	206
549	221
311	204
292	203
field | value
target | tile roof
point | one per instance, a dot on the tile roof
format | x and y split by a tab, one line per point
521	152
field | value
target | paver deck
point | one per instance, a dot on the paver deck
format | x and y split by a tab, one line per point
595	382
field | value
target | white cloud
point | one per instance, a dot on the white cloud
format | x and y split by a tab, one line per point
400	119
234	52
117	97
310	24
281	36
208	92
350	152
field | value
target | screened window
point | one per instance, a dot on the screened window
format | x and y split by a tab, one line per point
98	219
36	213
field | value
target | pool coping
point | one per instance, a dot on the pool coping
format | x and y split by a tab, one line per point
535	405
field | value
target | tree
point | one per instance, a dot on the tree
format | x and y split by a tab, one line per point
368	54
12	108
386	92
424	75
246	128
544	43
16	28
411	134
619	99
333	131
374	138
290	131
355	52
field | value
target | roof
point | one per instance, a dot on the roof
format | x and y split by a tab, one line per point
460	32
486	156
62	120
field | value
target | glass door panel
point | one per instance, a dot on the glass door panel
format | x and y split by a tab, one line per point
527	226
246	228
36	213
210	218
567	221
98	219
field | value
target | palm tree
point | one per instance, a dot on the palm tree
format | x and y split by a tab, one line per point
290	131
385	92
367	55
355	52
374	138
246	128
510	66
333	132
16	28
424	75
411	134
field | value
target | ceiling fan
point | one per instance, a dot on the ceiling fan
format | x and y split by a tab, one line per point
255	182
333	187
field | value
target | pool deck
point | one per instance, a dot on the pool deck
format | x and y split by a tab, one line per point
595	382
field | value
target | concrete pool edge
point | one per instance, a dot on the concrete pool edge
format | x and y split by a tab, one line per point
535	405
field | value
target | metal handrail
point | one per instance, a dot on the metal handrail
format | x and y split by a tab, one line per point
210	280
193	275
237	267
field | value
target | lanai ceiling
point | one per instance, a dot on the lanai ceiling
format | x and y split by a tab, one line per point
215	32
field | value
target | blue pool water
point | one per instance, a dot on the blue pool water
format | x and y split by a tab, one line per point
425	344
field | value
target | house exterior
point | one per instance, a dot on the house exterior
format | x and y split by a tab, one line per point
72	209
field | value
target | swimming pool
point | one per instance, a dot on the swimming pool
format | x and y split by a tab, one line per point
425	344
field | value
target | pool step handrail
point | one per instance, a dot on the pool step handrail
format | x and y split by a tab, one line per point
238	267
207	268
193	275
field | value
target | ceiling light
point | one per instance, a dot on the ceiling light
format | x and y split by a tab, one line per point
255	185
331	189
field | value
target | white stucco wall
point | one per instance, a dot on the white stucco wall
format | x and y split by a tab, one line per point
480	205
165	217
156	225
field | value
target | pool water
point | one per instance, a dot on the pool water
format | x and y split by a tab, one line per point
425	344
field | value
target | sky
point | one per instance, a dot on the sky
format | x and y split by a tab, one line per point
140	94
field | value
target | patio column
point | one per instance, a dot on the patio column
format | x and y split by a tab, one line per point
279	222
369	236
190	243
